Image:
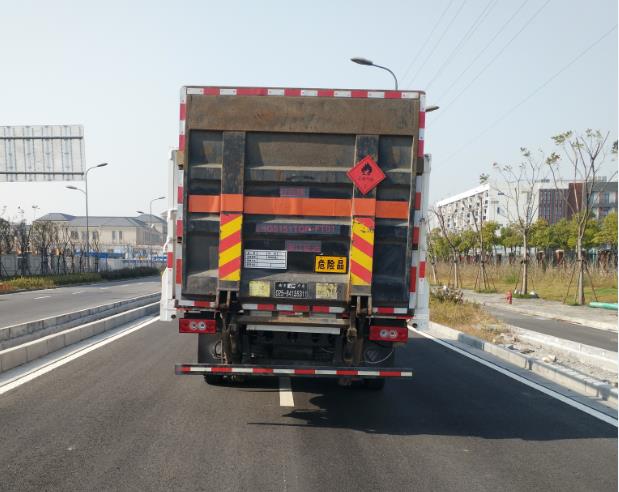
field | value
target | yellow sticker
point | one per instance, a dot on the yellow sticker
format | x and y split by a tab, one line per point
259	288
330	264
326	290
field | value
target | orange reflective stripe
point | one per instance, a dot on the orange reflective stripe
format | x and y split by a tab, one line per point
231	203
391	210
320	207
364	206
204	203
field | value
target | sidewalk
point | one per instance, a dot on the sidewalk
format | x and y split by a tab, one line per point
601	319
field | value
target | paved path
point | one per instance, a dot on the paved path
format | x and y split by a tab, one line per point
119	419
602	319
20	307
606	340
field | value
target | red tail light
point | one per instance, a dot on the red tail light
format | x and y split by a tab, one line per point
192	325
388	333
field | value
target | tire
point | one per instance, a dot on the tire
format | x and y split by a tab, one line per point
374	384
213	380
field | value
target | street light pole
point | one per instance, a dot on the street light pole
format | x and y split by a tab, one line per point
103	164
370	63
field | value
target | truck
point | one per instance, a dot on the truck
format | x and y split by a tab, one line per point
296	231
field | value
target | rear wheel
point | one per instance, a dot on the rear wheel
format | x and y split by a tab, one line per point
376	384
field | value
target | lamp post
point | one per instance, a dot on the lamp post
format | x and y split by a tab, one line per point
150	220
103	164
369	63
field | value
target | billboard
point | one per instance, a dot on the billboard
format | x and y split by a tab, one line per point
42	153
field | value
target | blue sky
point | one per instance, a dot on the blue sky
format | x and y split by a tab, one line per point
116	67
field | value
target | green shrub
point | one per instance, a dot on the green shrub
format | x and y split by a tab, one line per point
129	273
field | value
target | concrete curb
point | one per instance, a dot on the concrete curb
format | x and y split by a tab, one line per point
11	336
30	351
570	379
599	357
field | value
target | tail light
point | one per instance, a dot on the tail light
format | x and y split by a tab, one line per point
192	325
388	333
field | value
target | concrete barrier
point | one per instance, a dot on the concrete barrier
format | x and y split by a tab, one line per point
12	336
27	352
568	378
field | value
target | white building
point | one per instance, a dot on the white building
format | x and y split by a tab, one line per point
463	210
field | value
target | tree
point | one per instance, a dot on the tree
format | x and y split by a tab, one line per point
43	233
540	235
584	155
7	241
509	238
450	239
519	187
490	237
607	235
559	234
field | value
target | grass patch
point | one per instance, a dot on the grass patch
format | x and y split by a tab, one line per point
51	281
467	317
550	284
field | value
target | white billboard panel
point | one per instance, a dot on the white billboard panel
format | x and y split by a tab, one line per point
41	153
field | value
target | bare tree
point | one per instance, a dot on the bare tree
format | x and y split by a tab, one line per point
7	241
22	244
584	156
519	187
42	237
482	282
440	217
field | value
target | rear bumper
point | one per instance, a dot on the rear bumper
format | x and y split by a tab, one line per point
329	372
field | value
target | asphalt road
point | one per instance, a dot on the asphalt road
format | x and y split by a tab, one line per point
562	329
119	419
20	307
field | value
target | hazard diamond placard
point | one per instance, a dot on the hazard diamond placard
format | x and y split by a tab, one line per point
366	174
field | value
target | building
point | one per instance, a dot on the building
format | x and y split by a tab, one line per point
463	210
552	204
604	199
130	236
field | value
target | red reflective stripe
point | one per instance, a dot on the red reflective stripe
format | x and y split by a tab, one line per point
221	369
422	269
181	142
210	91
251	91
179	227
262	370
203	303
300	309
390	373
415	235
326	92
179	195
231	240
357	93
224	218
366	221
384	310
305	371
418	200
228	268
346	372
413	280
362	245
266	307
183	111
292	92
360	272
185	369
422	119
231	202
170	260
393	95
420	148
320	309
179	271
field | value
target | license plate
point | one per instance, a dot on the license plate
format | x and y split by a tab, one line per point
330	264
295	290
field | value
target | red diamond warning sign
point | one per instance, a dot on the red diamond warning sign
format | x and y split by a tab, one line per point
366	175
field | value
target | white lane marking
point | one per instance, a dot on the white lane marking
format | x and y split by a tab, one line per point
78	292
124	285
42	297
573	403
104	288
285	393
83	349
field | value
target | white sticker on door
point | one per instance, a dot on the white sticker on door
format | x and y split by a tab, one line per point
266	258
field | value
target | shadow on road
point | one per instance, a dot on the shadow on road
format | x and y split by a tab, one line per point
449	395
